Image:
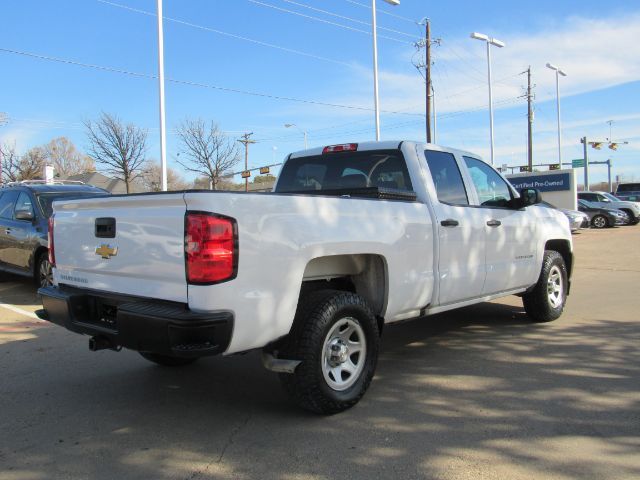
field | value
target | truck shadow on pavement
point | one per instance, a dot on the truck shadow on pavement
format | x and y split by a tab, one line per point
480	391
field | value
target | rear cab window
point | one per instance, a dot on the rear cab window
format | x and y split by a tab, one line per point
345	170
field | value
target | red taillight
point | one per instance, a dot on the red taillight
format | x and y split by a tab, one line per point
52	253
345	147
210	245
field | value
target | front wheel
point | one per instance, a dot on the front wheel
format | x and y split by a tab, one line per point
599	221
336	336
545	302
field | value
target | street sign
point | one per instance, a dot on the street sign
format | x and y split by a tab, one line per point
577	163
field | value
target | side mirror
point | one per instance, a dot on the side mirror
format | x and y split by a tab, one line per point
529	196
24	215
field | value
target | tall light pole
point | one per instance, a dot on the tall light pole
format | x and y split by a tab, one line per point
3	121
497	43
376	100
163	126
304	132
558	73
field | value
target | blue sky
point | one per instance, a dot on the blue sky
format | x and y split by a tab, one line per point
224	44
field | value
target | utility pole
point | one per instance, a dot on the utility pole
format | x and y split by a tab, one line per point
529	120
429	92
428	77
245	140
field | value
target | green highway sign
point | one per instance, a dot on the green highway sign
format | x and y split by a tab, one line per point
577	163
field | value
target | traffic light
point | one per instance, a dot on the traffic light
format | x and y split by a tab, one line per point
613	146
524	169
554	166
596	145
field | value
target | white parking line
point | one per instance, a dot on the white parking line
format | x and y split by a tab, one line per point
20	311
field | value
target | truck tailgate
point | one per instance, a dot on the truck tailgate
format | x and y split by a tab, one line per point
145	256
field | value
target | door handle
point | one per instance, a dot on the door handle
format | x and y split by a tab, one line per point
494	223
449	222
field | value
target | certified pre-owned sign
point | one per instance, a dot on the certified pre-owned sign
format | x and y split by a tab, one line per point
544	183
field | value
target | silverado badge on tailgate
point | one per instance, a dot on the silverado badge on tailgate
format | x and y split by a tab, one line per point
106	251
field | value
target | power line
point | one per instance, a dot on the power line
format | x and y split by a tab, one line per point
324	21
361	22
227	34
202	85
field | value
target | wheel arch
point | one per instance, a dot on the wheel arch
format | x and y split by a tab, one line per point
563	247
36	255
364	274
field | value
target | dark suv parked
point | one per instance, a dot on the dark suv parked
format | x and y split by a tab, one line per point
25	208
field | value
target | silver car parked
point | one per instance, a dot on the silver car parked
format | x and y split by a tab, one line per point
606	200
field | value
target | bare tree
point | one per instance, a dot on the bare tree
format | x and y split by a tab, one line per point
10	163
66	159
31	164
206	150
119	148
151	178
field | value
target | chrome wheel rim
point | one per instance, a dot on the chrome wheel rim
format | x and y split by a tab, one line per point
599	222
554	287
343	354
45	273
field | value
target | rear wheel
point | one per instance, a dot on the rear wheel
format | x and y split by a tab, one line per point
336	336
168	361
599	221
43	274
547	299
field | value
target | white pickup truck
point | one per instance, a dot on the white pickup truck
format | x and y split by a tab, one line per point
353	237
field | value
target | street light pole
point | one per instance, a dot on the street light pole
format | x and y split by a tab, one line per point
558	73
376	100
304	132
497	43
163	127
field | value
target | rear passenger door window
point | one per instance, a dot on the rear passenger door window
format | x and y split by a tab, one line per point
447	178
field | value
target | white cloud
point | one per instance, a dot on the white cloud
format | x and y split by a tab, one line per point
595	53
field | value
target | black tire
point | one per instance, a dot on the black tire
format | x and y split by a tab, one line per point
168	361
320	316
541	304
599	221
42	274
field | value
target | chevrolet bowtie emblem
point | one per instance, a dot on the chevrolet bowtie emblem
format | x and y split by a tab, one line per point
106	252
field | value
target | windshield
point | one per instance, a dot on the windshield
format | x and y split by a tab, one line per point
610	197
46	199
345	170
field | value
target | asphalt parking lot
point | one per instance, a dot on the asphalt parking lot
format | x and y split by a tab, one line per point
480	393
